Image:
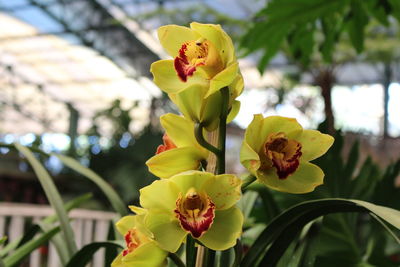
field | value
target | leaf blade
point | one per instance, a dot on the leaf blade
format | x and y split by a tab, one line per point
110	193
53	196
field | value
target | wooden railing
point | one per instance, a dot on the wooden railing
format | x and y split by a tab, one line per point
88	226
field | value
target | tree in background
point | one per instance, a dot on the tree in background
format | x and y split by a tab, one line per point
309	31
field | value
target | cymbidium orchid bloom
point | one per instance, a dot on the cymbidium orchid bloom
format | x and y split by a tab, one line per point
141	250
203	62
197	203
180	151
277	151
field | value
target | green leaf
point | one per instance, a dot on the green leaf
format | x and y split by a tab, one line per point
358	19
191	251
28	247
272	45
270	206
2	240
1	263
331	27
395	5
175	258
378	10
389	215
246	203
85	254
283	17
70	205
46	225
284	228
110	193
352	160
386	193
53	196
364	184
302	42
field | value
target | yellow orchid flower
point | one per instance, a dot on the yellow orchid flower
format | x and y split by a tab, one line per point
180	151
277	151
198	203
141	250
204	62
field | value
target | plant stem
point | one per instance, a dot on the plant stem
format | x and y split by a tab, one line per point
225	257
205	256
178	262
222	131
198	133
247	181
209	257
238	253
190	251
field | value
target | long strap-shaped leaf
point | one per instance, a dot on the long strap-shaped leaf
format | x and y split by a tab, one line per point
54	198
112	196
58	240
286	225
28	247
85	254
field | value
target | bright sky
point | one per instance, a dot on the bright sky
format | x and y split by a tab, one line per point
359	108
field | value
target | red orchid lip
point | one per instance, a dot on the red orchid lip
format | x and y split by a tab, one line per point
195	215
132	241
284	154
184	64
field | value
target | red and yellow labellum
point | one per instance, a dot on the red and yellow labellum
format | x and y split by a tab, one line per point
193	54
281	153
168	144
133	239
195	212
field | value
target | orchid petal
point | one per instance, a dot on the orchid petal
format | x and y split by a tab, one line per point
148	254
173	36
166	230
218	37
225	230
314	144
174	161
191	179
161	195
303	180
224	190
222	79
167	80
234	111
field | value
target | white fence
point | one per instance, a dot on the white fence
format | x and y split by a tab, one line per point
88	226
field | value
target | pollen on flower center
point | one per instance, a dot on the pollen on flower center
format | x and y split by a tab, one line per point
194	54
283	153
195	212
